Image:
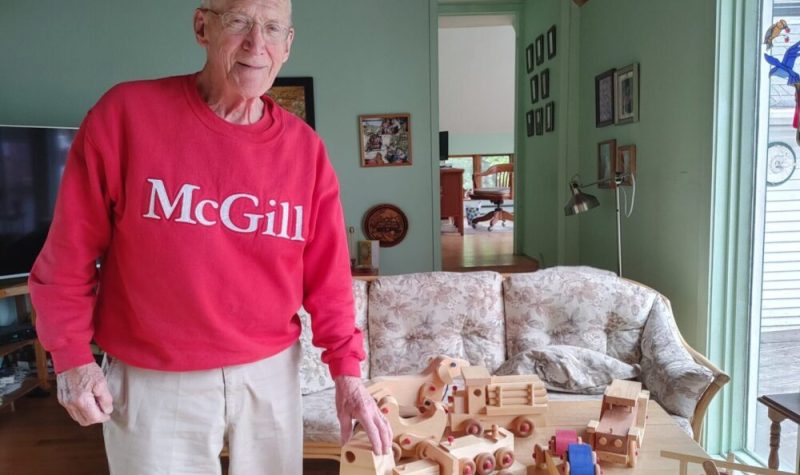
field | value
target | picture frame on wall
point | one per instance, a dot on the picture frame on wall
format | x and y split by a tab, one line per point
535	89
606	163
529	123
545	83
626	94
529	58
551	42
296	95
538	120
550	117
604	98
539	49
626	163
385	139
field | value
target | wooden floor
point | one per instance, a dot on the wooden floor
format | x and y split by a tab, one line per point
482	250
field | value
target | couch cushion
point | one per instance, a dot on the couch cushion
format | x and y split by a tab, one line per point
415	316
577	306
320	422
668	370
570	368
314	374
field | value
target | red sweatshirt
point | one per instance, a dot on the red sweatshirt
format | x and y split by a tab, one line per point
210	236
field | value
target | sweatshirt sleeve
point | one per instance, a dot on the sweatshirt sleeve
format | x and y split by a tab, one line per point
63	280
327	283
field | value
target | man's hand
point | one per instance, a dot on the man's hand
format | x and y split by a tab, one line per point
354	402
84	393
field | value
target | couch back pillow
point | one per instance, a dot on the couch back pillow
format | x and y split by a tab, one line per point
413	317
314	374
577	306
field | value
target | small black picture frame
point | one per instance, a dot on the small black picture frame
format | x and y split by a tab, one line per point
529	122
539	49
604	98
529	58
551	42
538	120
550	116
545	83
535	89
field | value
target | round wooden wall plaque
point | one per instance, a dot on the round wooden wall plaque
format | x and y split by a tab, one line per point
385	223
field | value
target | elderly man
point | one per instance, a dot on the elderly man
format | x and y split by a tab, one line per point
214	215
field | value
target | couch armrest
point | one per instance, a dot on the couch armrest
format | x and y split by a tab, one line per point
721	378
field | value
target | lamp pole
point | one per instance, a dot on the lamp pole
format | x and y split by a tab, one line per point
618	182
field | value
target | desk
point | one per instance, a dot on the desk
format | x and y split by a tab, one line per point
780	407
451	189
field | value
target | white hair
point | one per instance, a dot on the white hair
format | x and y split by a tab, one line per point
210	5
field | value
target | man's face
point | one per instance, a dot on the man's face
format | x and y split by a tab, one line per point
245	63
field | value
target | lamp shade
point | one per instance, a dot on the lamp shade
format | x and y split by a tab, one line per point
579	201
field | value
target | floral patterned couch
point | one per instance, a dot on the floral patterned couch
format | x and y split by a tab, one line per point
576	327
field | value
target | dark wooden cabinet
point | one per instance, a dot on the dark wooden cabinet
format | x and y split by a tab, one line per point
451	186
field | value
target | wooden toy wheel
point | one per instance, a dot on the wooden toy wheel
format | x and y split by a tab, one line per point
504	458
397	452
485	463
423	449
466	467
598	470
473	427
632	453
566	468
523	426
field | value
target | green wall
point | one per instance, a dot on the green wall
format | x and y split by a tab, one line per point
484	144
366	56
666	241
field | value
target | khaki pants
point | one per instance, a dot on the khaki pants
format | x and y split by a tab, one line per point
176	423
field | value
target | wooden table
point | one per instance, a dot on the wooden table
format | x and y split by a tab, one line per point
661	433
780	407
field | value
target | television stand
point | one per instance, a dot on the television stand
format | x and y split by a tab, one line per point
20	293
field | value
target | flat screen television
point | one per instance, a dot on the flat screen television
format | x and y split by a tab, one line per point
31	164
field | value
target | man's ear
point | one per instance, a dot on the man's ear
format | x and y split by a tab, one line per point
289	40
199	21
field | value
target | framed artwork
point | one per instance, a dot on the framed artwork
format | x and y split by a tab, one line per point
550	117
626	163
535	89
606	163
626	94
538	120
604	98
539	49
529	59
551	42
385	139
296	95
385	223
529	123
545	82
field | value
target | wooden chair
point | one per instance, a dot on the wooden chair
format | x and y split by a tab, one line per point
504	190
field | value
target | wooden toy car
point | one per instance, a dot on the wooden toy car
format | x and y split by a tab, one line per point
407	432
558	443
489	453
517	402
357	458
577	457
580	460
617	436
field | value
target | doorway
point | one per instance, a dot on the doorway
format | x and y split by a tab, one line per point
476	110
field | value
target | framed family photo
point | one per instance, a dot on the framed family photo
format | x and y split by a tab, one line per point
538	120
385	139
296	95
550	117
539	49
529	58
606	163
604	98
626	163
529	123
545	82
535	89
626	94
551	42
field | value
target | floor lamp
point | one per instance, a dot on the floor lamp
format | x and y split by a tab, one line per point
580	202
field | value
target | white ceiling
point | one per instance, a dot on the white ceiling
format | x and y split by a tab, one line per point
476	74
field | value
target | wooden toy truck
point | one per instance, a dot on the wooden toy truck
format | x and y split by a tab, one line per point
617	436
489	453
518	403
